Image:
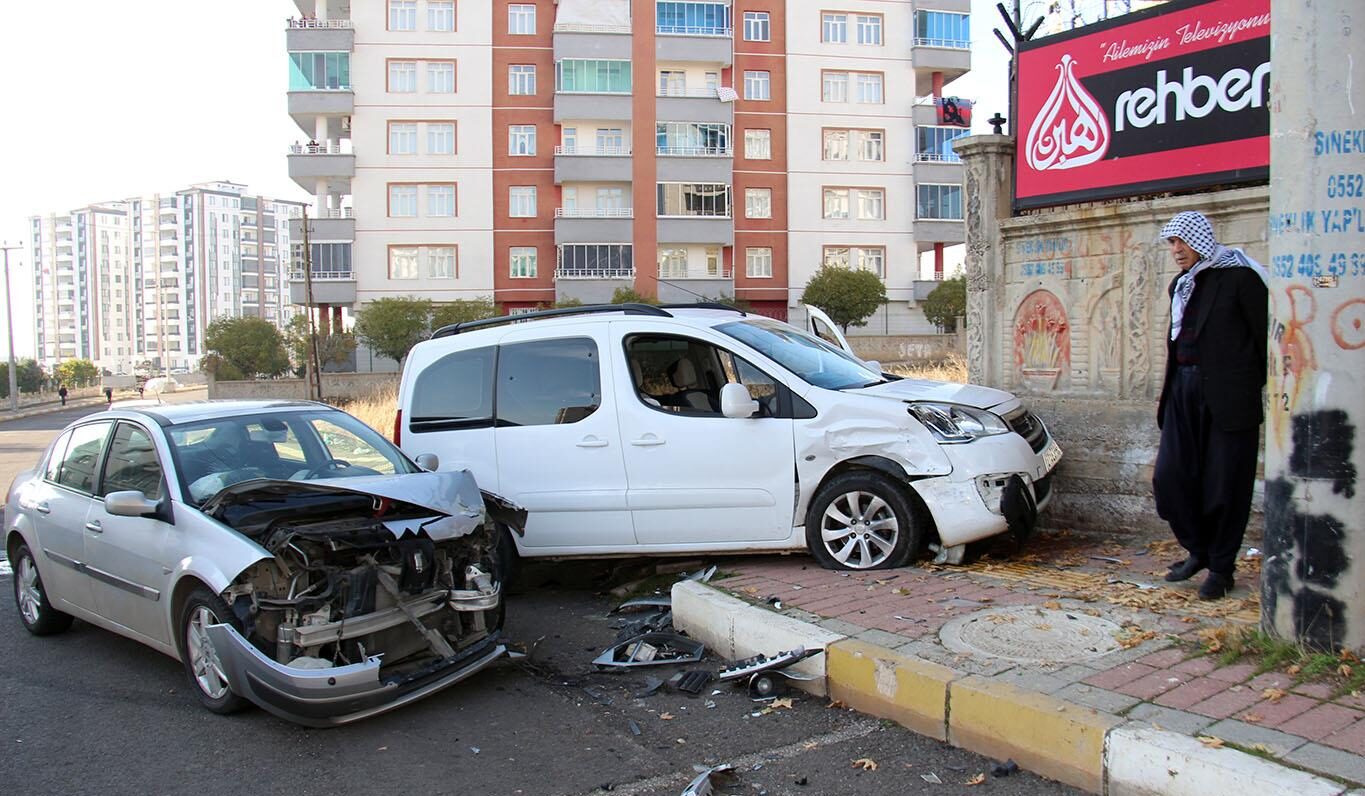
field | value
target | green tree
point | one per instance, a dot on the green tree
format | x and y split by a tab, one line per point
334	350
461	311
244	348
76	373
947	303
392	326
848	296
29	374
627	295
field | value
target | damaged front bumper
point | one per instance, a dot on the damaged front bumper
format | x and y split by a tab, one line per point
338	695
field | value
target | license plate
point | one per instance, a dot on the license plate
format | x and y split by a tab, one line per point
1051	455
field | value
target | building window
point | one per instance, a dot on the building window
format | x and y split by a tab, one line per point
864	204
757	85
402	14
834	28
403	262
521	80
441	138
864	258
441	77
692	138
862	145
441	201
758	144
672	263
596	261
834	87
943	202
695	18
523	262
521	19
869	29
936	143
758	263
402	201
321	71
521	201
869	88
758	202
441	262
672	83
611	141
521	139
757	26
711	200
441	15
943	29
402	77
402	138
592	76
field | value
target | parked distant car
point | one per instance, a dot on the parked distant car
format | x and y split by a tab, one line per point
286	553
631	429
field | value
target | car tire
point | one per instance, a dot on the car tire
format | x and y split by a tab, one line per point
508	560
862	520
35	611
207	678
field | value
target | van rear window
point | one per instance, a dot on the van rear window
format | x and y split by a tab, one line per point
455	391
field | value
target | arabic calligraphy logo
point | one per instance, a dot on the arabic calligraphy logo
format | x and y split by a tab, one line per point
1071	130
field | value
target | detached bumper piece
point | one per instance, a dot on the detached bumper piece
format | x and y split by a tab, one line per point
1019	509
339	695
651	649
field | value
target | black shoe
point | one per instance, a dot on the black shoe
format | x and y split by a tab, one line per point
1216	586
1184	570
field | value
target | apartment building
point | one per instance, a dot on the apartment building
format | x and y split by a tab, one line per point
545	150
138	280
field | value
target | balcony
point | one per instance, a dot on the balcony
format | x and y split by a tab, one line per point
318	35
929	231
306	105
338	228
592	164
704	44
610	42
692	105
329	287
697	229
604	106
952	57
321	168
695	164
593	225
684	289
933	167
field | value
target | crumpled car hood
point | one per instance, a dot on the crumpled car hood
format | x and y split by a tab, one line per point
925	390
445	505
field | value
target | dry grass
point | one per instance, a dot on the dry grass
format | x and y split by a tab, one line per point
377	410
953	369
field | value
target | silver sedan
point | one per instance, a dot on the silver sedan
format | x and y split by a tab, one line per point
285	553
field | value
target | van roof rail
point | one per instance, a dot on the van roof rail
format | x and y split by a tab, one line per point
559	312
705	305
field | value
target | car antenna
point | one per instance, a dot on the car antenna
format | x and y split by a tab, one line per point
705	300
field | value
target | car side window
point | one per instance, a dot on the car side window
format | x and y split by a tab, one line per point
682	375
132	463
761	386
548	382
82	457
54	460
344	446
455	391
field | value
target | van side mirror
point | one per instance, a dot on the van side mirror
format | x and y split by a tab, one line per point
130	503
428	461
873	365
735	401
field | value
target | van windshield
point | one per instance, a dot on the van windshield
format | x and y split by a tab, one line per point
814	360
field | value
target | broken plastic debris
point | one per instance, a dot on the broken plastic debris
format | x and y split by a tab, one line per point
652	684
651	649
1107	559
641	603
691	682
763	663
1005	769
1253	552
634	727
703	575
702	785
931	778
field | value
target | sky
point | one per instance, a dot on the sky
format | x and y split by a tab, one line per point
107	100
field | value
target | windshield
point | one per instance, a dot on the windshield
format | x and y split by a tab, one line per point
814	360
211	455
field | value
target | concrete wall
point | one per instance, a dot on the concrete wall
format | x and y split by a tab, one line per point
1068	308
334	385
917	348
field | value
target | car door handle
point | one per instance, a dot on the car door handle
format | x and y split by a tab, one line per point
592	442
43	508
647	441
94	526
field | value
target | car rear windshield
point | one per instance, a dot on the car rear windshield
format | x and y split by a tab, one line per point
814	360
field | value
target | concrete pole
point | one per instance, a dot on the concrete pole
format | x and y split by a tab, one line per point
9	332
1313	577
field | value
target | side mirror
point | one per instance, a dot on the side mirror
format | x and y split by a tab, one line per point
873	365
428	461
130	503
735	401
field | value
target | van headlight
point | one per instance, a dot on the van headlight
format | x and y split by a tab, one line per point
952	423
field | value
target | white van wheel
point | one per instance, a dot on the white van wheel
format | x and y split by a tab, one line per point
861	520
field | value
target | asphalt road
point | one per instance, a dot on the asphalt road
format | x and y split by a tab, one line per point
89	712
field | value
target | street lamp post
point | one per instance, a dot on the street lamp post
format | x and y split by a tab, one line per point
9	330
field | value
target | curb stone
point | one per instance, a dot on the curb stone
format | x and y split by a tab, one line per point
1061	740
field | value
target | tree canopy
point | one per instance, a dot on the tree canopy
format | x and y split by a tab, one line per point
28	375
847	296
76	373
947	303
392	326
239	348
334	350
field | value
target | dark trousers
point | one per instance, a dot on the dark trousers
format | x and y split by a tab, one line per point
1204	476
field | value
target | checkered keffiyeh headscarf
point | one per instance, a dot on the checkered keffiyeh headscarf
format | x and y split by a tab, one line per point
1197	232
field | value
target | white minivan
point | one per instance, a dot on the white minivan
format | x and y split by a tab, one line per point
637	429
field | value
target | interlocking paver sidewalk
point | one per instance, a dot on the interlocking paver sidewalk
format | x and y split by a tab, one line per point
1161	677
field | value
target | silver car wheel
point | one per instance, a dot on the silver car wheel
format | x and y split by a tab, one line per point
30	598
859	530
208	670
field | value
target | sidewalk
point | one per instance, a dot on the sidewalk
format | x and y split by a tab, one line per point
1076	659
91	402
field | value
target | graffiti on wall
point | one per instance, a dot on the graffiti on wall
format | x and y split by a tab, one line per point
1042	340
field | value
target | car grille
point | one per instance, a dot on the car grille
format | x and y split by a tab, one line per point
1027	425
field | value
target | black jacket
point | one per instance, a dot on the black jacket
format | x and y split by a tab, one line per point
1231	320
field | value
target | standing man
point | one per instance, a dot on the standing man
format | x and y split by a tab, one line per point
109	395
61	393
1210	411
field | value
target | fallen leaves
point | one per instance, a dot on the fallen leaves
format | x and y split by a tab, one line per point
1130	636
976	780
666	716
1210	741
865	763
1253	718
1053	604
1344	670
1273	694
785	702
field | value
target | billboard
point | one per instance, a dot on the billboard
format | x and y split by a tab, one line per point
1169	98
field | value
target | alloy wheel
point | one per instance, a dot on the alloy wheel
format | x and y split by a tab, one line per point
27	590
204	662
859	529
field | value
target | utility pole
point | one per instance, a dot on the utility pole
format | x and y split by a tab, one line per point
9	329
314	364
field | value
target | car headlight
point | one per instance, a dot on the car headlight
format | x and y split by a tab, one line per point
953	423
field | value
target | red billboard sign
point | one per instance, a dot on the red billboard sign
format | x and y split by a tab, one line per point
1169	98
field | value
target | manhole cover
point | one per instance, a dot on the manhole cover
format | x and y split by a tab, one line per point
1031	635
